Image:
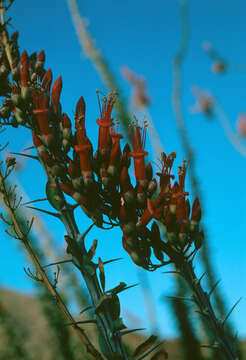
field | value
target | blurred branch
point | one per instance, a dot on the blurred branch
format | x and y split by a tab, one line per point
178	111
230	134
90	49
17	228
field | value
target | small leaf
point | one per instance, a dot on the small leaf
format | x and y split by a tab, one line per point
44	211
26	155
101	274
92	250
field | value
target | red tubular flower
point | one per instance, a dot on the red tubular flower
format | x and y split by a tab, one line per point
165	174
154	209
149	171
24	75
46	82
74	173
68	189
56	93
15	36
40	60
181	213
83	147
125	181
105	122
66	128
15	95
196	211
182	174
174	195
115	154
66	123
24	69
41	110
104	174
38	143
48	161
138	138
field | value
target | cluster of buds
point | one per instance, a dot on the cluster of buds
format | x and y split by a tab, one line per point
100	181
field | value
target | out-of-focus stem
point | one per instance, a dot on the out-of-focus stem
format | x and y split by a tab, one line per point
177	106
49	249
112	339
90	49
4	37
25	241
202	299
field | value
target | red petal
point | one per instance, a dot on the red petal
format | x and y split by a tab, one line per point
15	36
66	122
196	210
41	56
149	171
56	91
80	109
24	57
36	141
47	80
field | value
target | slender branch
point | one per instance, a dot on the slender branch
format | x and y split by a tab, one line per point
25	240
110	336
90	49
202	299
177	106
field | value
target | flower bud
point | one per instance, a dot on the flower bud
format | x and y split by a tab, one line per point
15	95
149	171
19	115
66	145
152	186
40	61
196	211
54	196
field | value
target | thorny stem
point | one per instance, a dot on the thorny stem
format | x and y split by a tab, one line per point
111	338
202	299
25	240
177	106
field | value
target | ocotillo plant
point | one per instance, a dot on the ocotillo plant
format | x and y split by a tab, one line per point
100	184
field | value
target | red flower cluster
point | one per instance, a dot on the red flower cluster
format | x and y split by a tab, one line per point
100	182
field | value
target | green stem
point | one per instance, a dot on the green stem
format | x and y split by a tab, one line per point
111	339
202	299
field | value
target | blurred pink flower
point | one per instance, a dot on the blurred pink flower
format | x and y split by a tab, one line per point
204	102
219	67
241	124
140	97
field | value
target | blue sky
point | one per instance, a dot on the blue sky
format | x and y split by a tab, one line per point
145	38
